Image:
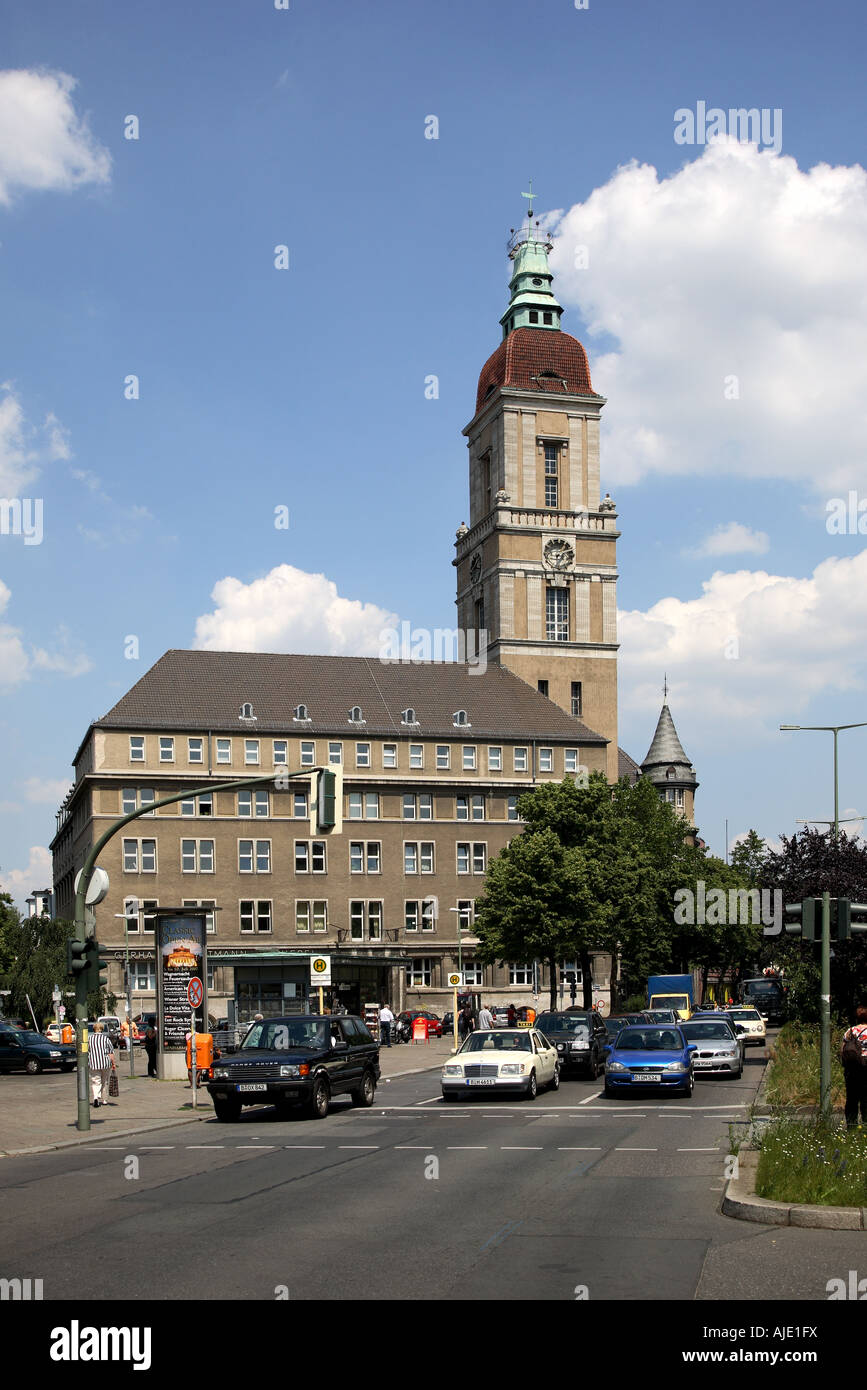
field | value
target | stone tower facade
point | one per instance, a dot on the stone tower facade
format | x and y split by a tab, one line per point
537	566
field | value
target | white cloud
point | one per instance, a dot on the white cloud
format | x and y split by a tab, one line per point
738	266
288	610
735	655
24	447
37	873
733	539
44	143
50	790
17	664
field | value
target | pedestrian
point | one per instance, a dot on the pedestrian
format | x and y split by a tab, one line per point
512	1017
101	1063
150	1046
854	1059
466	1022
486	1018
386	1019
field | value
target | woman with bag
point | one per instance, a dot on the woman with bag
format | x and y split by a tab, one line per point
102	1066
854	1059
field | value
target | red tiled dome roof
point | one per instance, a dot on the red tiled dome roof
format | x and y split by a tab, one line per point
536	359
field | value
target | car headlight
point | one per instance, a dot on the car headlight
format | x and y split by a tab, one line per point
55	1054
220	1074
730	1054
452	1070
616	1066
289	1071
511	1069
676	1066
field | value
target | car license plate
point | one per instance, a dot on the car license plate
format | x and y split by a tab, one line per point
253	1086
647	1076
702	1064
481	1080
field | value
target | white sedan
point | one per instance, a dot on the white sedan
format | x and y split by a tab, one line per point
753	1024
504	1059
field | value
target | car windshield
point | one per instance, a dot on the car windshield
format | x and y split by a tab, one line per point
497	1042
649	1040
576	1024
285	1034
746	1015
615	1024
27	1035
706	1030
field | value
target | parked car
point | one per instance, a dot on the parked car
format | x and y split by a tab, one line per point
500	1015
580	1040
650	1056
718	1048
434	1020
448	1023
302	1059
502	1059
24	1050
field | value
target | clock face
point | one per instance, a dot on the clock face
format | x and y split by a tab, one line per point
559	555
476	569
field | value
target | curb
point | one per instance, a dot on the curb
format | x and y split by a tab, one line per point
740	1202
160	1124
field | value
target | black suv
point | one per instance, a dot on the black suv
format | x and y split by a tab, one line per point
302	1059
579	1037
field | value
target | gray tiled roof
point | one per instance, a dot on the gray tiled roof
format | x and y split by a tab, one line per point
627	766
666	747
205	690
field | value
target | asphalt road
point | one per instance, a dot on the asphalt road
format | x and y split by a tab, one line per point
414	1199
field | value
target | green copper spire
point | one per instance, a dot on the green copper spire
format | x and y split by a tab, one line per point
532	304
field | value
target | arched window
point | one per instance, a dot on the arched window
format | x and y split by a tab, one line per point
355	715
247	711
301	712
408	717
460	717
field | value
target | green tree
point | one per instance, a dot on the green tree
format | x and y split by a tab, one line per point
749	857
9	918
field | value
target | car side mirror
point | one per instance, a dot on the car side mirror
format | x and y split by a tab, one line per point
739	1028
339	1045
607	1048
692	1047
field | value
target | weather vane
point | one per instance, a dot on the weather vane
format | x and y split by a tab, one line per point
531	195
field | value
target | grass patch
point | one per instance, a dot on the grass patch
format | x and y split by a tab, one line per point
794	1077
813	1162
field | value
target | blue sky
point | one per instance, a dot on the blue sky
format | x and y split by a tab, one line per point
305	388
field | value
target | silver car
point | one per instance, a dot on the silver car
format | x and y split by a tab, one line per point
718	1049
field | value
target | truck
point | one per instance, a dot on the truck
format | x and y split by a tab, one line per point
672	992
767	994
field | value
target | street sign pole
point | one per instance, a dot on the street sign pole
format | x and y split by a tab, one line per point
193	1058
825	1015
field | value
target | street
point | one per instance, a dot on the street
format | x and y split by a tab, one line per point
413	1199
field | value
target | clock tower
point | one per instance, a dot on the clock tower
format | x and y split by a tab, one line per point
537	567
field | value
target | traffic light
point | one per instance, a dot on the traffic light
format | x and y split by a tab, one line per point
804	919
95	964
857	918
77	962
326	801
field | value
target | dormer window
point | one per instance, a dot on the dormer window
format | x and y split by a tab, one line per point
460	719
301	713
669	776
246	711
407	716
355	715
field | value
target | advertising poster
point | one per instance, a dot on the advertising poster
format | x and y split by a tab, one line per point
180	952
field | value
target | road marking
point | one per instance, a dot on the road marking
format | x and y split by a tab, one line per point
204	1146
581	1149
358	1146
416	1148
303	1146
500	1235
255	1146
628	1115
714	1150
520	1148
467	1148
418	1103
589	1098
156	1146
636	1151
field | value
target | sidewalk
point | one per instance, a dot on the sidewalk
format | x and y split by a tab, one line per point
38	1113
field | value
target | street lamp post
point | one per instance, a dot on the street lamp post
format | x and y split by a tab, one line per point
825	983
460	911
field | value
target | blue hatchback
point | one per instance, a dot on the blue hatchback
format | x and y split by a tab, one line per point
649	1057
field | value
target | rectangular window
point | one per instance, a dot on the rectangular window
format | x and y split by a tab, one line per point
373	856
148	856
356	806
411	915
356	921
473	973
371	805
281	752
245	856
419	972
251	752
188	806
302	916
374	921
308	753
570	759
416	755
480	858
678	800
263	856
546	759
188	856
462	807
136	749
495	760
263	915
542	687
551	492
520	755
262	802
408	806
443	757
551	451
317	856
362	755
463	858
143	976
557	615
356	857
299	805
210	922
206	804
335	753
167	750
410	857
389	755
147	796
466	913
302	857
206	856
255	915
320	915
247	914
428	921
224	750
576	698
148	920
520	974
512	808
128	801
195	750
425	806
130	856
469	758
426	851
478	808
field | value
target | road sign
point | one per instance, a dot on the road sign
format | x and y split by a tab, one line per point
195	992
320	970
455	979
61	1012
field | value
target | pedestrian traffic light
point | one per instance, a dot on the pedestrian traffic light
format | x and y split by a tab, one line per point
77	963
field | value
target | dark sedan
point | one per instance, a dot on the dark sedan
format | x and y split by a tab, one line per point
22	1050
